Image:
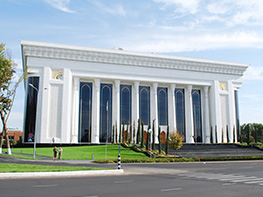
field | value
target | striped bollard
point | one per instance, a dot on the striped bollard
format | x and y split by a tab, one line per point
119	161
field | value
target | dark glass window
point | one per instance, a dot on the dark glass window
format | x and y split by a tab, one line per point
31	108
125	103
144	105
162	106
237	115
105	113
180	111
85	112
196	96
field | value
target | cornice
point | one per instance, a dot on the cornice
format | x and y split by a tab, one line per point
66	52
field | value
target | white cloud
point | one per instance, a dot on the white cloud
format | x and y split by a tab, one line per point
61	5
173	42
114	10
254	73
182	6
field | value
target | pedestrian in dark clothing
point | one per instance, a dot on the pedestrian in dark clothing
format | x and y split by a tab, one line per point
55	151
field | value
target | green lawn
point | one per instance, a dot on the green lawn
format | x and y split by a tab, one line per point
85	152
12	167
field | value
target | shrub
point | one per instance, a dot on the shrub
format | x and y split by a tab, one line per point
176	140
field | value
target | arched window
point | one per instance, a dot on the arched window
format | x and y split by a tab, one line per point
125	103
180	111
105	113
85	112
144	104
196	97
162	106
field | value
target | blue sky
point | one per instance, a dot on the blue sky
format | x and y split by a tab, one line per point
228	30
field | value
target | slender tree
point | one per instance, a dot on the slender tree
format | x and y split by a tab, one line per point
234	134
167	141
8	88
122	132
227	134
142	138
216	134
211	135
130	129
159	139
113	134
153	136
222	135
134	132
116	134
138	132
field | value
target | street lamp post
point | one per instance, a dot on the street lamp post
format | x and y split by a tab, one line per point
34	154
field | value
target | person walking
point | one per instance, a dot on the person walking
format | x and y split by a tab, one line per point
60	153
55	151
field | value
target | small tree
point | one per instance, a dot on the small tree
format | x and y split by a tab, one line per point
211	135
222	135
138	132
167	141
116	133
153	136
113	134
7	91
120	134
159	139
133	132
130	129
176	140
227	134
122	131
142	138
216	134
234	134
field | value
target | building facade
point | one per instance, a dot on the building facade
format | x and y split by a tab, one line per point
79	94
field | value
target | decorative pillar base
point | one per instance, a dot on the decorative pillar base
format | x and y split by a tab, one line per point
74	139
190	140
207	139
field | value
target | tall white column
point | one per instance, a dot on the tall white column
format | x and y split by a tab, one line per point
189	115
135	105
96	112
75	111
66	106
43	112
116	107
154	108
215	111
171	107
206	115
232	112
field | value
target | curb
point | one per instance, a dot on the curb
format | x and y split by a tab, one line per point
22	175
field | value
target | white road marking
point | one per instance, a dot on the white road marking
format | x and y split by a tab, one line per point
118	182
45	186
171	189
228	184
227	178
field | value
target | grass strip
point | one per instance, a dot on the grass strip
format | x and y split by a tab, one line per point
85	152
13	167
20	156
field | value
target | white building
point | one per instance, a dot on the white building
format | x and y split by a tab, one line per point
77	94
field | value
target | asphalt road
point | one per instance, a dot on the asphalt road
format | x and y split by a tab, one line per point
177	179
